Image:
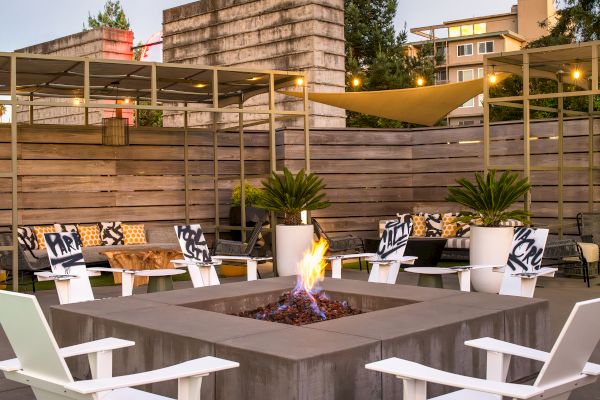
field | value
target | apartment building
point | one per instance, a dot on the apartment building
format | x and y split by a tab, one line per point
463	43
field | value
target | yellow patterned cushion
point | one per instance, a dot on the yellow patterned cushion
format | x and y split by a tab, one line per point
450	225
39	232
419	228
134	234
90	235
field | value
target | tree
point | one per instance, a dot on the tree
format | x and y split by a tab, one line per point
577	21
377	56
112	16
2	110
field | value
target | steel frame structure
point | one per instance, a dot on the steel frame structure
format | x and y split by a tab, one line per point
242	87
552	63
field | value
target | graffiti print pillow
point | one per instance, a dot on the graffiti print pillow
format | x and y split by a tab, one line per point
28	238
111	233
433	225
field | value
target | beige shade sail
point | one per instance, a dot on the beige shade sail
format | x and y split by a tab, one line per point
424	105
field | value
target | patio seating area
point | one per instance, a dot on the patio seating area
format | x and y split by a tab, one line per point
343	288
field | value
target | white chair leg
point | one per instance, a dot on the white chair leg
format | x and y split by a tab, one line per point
374	275
528	286
209	275
101	364
414	389
393	270
62	289
384	273
252	268
189	388
127	283
497	366
195	276
336	268
464	280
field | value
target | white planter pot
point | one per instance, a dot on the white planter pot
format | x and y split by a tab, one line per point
292	242
489	245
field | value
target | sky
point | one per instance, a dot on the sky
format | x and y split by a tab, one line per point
27	22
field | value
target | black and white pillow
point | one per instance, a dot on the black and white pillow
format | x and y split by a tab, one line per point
28	238
434	225
406	218
111	233
65	228
463	231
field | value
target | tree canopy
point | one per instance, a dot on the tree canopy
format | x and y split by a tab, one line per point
113	16
376	55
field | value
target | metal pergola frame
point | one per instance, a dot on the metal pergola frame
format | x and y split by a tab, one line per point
225	86
553	63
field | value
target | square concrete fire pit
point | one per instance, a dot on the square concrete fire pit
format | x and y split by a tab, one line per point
323	360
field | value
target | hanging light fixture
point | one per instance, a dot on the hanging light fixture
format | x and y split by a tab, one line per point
115	130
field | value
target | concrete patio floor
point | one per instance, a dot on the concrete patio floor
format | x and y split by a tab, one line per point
562	293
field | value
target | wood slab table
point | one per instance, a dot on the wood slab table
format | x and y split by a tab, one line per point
141	259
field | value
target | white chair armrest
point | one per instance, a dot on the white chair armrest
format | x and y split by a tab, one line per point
241	258
113	270
410	370
197	367
473	267
499	346
401	260
350	256
51	276
185	263
77	350
540	272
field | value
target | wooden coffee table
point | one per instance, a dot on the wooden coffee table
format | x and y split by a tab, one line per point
136	259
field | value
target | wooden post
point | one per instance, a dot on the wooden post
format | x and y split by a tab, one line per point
31	110
526	129
86	92
561	126
594	87
186	166
215	127
14	172
242	170
486	117
273	164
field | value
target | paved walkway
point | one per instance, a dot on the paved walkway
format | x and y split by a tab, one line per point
561	292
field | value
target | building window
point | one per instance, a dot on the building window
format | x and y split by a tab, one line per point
466	30
479	29
486	47
480	72
454	31
441	76
465	50
465	75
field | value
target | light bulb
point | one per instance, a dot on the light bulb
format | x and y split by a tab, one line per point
299	82
355	82
577	74
420	81
492	78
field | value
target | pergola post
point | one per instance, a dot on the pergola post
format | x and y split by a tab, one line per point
561	141
594	87
486	117
242	170
526	129
14	172
273	162
86	92
186	166
215	128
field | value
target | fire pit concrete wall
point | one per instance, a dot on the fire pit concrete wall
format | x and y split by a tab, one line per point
323	360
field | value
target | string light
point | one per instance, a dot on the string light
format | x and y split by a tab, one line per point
126	101
300	82
355	82
77	101
576	73
420	81
492	78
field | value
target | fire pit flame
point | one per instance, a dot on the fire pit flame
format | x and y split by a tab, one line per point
311	269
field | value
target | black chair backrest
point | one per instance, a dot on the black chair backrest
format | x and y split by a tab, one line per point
319	230
255	234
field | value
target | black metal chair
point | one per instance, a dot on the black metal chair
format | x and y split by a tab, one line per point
566	254
344	243
25	266
427	250
237	248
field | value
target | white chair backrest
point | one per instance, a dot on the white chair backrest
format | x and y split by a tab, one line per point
66	258
30	337
574	345
525	255
394	239
192	243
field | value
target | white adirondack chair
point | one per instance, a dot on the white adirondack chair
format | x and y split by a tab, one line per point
390	254
41	364
196	254
523	267
565	369
69	272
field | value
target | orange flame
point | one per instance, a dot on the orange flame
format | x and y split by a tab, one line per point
311	270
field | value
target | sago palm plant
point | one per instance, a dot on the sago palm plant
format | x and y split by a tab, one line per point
490	198
289	195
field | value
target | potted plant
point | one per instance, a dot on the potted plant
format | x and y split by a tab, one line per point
289	195
253	213
490	200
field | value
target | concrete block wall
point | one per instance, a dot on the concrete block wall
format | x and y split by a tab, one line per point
264	34
101	43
